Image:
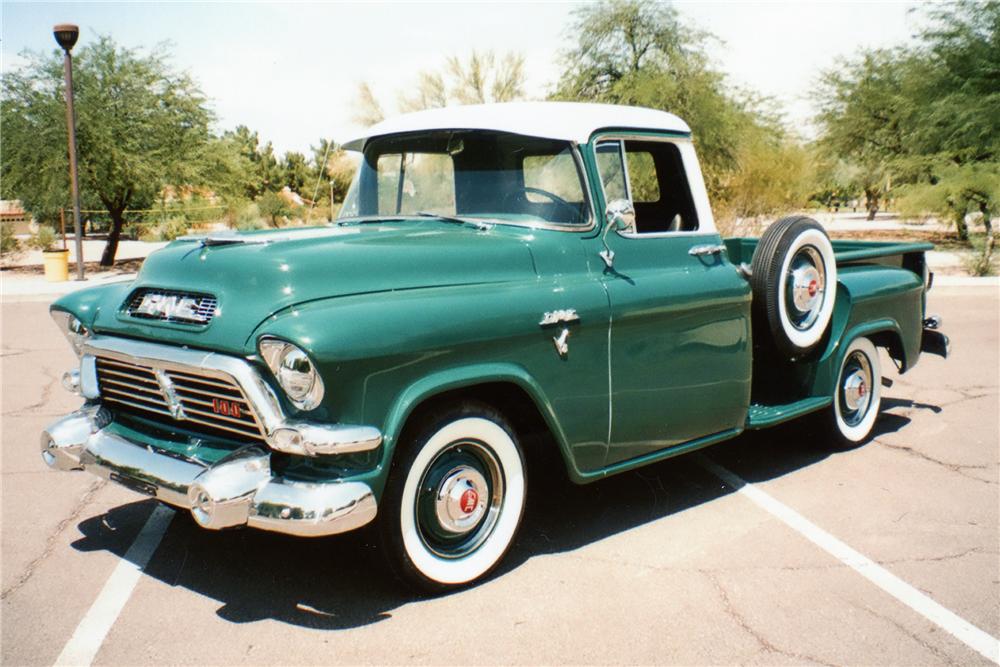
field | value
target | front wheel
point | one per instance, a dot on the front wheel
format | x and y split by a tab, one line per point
858	395
454	499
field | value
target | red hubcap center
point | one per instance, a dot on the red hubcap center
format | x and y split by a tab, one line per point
862	389
813	287
469	501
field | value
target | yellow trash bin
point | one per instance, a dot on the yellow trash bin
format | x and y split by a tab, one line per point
56	265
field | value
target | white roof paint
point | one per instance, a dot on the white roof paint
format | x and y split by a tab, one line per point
569	121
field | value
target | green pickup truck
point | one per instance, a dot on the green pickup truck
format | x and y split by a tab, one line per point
499	276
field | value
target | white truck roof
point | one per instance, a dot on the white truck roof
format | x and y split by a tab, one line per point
569	121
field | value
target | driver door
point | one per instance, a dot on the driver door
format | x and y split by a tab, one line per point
680	335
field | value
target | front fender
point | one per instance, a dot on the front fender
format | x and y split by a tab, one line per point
467	376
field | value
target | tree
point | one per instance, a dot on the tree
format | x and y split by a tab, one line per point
274	207
908	113
639	52
956	190
866	116
367	109
255	167
141	125
482	78
295	172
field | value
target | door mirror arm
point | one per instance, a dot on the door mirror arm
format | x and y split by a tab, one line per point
619	216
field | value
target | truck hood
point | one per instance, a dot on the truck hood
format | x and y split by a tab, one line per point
264	273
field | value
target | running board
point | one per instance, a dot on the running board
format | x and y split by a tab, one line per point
763	416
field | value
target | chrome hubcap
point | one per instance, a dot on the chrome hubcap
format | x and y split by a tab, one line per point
855	388
806	287
461	500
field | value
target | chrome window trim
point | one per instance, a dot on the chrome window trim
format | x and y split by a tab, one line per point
706	221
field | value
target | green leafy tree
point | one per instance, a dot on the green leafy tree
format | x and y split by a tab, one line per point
274	207
295	172
639	52
866	113
953	193
904	115
141	125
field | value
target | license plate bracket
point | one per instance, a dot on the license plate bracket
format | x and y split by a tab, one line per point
137	485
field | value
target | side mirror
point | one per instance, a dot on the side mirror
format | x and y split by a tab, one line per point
620	214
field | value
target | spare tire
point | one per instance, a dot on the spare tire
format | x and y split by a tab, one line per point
794	285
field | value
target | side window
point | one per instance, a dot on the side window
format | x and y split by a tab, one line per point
412	182
653	175
642	176
612	170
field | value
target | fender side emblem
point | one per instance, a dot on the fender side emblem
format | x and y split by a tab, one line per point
559	317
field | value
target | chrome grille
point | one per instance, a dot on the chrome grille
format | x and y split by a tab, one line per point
210	405
203	306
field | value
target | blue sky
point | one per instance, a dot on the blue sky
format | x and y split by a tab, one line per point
291	70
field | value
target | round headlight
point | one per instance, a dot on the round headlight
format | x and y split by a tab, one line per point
72	328
294	371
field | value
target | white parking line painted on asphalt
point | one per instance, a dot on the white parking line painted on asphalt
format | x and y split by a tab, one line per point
978	640
96	623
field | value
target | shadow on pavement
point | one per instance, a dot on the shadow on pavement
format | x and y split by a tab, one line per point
340	582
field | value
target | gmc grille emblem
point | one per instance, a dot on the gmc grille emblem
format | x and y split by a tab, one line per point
226	408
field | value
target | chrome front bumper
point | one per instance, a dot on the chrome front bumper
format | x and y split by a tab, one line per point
239	490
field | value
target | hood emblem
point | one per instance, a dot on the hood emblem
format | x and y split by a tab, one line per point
172	306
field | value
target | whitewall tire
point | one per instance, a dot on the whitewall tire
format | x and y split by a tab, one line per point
794	281
454	499
858	394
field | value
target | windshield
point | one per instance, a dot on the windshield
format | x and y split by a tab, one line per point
490	176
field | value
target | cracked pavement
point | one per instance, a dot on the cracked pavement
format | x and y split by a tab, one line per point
661	565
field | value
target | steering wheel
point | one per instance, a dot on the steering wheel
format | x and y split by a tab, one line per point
554	198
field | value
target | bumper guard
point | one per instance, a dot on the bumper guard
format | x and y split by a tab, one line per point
239	490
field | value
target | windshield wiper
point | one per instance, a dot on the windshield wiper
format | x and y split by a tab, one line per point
478	224
367	220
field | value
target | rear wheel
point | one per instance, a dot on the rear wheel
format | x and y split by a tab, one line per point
454	499
858	397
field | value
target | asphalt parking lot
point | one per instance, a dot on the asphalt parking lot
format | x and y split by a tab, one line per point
669	564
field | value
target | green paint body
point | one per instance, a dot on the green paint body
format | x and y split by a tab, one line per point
396	313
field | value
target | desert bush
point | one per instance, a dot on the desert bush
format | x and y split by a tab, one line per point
249	219
9	244
274	208
168	230
44	239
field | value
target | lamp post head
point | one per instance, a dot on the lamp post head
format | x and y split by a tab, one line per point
66	35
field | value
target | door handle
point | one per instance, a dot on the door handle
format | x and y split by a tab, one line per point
702	250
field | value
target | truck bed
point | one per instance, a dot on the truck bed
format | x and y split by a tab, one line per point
741	250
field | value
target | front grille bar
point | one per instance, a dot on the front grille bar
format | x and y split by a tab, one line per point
177	397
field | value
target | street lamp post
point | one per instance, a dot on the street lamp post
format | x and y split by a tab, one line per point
66	35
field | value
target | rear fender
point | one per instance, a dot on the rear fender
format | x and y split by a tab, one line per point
881	303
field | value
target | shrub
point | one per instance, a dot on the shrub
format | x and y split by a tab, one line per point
168	230
248	219
44	239
274	208
9	245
